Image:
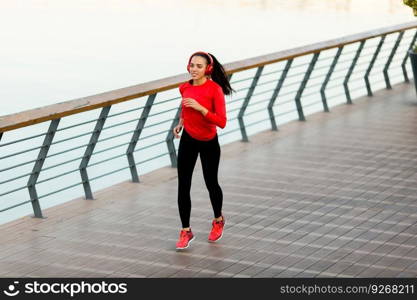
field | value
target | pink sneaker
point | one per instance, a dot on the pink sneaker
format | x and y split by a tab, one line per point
185	239
216	231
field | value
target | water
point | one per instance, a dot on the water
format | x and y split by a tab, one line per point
68	49
54	51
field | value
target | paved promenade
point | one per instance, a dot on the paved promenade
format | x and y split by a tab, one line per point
334	196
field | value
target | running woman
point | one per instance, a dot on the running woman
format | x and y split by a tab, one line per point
203	108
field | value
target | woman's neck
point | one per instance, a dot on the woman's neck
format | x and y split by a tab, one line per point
200	81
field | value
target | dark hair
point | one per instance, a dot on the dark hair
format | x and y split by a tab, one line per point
218	74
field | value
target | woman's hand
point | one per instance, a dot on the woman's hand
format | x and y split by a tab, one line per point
177	129
190	102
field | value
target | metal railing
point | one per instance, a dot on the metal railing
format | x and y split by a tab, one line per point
337	60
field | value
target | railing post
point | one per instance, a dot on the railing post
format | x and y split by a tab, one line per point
37	168
276	92
246	102
350	71
371	64
391	56
89	151
170	138
406	57
303	85
327	78
136	135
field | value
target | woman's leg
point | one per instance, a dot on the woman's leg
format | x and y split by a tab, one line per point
210	158
187	157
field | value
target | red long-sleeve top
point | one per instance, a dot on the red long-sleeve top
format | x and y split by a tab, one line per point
210	95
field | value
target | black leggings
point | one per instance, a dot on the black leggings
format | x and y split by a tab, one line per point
187	156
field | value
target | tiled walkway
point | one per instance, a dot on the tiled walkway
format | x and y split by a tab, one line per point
333	196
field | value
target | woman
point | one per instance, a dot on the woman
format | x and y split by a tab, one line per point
203	108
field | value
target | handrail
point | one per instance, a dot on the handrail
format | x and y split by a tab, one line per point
62	109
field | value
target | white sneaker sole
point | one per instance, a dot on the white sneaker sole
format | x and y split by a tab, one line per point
189	242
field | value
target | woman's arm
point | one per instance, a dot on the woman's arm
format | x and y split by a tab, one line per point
177	129
217	117
204	111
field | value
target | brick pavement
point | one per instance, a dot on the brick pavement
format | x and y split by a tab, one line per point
333	196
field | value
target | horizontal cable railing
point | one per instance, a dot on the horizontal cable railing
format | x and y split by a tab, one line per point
272	86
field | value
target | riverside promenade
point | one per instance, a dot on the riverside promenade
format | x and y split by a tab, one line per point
334	195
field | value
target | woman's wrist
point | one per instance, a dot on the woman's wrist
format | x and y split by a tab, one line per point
204	111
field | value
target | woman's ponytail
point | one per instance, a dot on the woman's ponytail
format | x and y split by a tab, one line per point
219	76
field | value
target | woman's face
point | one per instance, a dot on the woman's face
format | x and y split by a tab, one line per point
198	67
